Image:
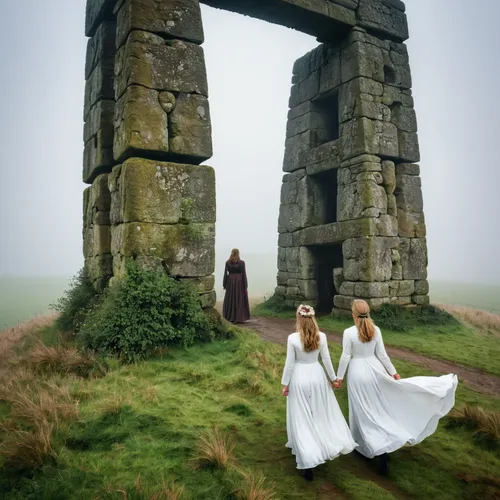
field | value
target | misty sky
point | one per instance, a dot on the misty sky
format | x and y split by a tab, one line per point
455	79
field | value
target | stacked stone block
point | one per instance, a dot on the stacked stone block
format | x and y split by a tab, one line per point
161	202
351	178
379	218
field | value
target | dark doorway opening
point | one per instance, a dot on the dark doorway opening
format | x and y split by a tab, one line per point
327	258
327	187
327	108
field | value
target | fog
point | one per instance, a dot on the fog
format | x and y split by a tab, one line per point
455	75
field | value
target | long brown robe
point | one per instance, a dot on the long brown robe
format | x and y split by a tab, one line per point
236	307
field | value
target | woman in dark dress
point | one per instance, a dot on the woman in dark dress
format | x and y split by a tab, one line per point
236	307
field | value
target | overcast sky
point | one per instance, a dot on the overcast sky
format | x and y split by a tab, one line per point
455	79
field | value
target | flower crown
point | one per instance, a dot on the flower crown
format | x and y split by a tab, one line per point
306	311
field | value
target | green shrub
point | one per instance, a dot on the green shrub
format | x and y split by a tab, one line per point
144	312
403	319
75	303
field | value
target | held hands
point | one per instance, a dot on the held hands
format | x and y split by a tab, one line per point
396	376
337	384
284	391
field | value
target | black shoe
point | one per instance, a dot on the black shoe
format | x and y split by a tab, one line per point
384	459
308	475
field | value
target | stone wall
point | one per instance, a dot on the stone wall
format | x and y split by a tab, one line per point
372	155
351	180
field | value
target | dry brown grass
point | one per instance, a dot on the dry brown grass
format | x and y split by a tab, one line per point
483	320
14	336
28	448
486	423
114	403
167	491
254	487
63	360
215	450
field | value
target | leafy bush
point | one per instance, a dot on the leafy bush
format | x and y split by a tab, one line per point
144	312
75	303
402	319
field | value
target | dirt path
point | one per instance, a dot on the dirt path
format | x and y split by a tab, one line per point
277	330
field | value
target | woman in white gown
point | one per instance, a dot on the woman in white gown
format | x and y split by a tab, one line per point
385	411
316	428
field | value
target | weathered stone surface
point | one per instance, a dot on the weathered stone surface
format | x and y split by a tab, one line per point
335	232
401	301
305	90
191	129
162	193
363	163
338	278
343	302
308	289
387	225
408	147
421	300
96	241
347	288
361	97
203	284
321	158
99	85
354	200
407	169
368	258
384	16
323	19
409	196
100	266
208	300
100	122
308	121
330	75
301	109
282	278
421	287
98	152
397	272
414	258
404	118
183	249
173	19
299	260
411	225
392	208
365	136
285	240
172	65
377	303
96	12
101	46
97	202
295	147
362	60
371	289
389	176
141	124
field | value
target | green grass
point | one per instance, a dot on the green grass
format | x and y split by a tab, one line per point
145	420
447	340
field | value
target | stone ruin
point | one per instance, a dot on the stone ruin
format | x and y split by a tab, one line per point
351	220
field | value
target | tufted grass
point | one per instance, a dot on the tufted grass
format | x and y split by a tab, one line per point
140	431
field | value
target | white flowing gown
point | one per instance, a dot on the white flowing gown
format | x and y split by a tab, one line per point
385	414
316	428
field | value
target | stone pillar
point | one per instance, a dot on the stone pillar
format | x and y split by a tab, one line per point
363	87
162	202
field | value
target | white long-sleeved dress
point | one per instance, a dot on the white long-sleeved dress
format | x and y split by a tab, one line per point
385	414
317	430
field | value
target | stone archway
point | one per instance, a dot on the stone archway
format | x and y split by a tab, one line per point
351	182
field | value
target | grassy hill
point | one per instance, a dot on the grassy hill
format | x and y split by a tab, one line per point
207	422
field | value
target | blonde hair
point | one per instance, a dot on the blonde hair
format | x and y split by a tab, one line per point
235	256
308	328
362	320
